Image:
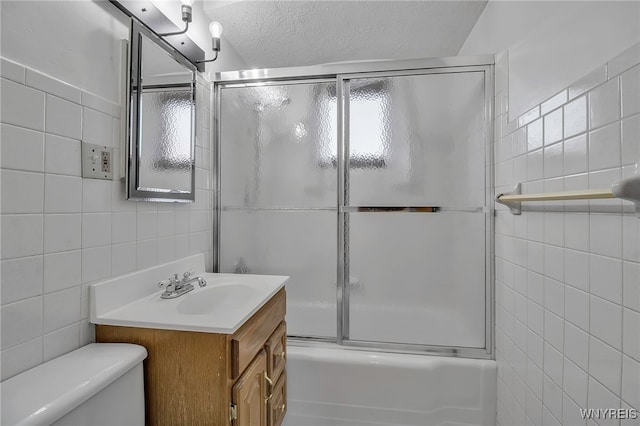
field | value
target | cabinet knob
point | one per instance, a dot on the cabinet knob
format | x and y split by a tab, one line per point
283	407
282	355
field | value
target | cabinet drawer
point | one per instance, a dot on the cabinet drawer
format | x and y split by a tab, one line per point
252	336
277	351
278	404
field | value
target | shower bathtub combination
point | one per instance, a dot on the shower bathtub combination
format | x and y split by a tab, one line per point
369	184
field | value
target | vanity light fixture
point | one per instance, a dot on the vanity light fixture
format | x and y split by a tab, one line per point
214	28
216	31
187	17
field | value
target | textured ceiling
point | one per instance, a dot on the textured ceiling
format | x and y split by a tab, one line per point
276	33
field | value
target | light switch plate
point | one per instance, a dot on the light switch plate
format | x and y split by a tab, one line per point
97	161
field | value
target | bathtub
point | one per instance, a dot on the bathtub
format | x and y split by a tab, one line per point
335	386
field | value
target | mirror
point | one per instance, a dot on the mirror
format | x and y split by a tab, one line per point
161	128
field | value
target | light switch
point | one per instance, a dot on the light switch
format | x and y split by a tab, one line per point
97	161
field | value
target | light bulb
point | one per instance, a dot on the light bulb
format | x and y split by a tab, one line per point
216	29
188	2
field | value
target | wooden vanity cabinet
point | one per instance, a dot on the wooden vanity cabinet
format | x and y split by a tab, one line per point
194	378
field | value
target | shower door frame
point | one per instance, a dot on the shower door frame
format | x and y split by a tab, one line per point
338	73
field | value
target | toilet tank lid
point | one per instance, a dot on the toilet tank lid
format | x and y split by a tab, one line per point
47	392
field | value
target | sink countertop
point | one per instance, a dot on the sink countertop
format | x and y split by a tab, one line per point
222	306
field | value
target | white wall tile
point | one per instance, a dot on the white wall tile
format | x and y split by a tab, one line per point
63	118
181	246
576	231
631	140
12	71
21	278
600	396
123	227
554	160
63	156
97	127
100	104
576	345
625	60
576	269
553	364
631	289
604	147
576	159
61	308
62	232
123	258
588	82
166	249
21	105
22	192
147	253
21	149
554	262
576	307
61	341
66	196
631	238
631	335
552	400
96	264
554	102
606	321
605	364
166	223
62	194
571	412
554	329
553	127
605	235
575	117
21	357
630	91
604	104
21	321
62	270
631	381
119	202
606	277
22	235
147	225
96	195
96	229
50	85
575	382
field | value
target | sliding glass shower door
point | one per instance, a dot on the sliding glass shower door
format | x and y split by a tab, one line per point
414	198
371	191
278	194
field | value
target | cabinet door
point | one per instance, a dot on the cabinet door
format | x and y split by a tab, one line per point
277	351
250	394
278	404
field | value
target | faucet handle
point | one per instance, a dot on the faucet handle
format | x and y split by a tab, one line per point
164	283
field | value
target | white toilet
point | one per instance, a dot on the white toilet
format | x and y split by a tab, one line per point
97	385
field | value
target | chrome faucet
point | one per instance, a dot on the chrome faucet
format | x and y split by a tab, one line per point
174	287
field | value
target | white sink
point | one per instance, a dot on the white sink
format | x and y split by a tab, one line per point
215	298
222	306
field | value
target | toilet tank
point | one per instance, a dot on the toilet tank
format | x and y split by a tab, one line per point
100	384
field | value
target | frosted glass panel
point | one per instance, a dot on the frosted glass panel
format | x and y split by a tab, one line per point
299	244
277	145
165	122
418	278
417	140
